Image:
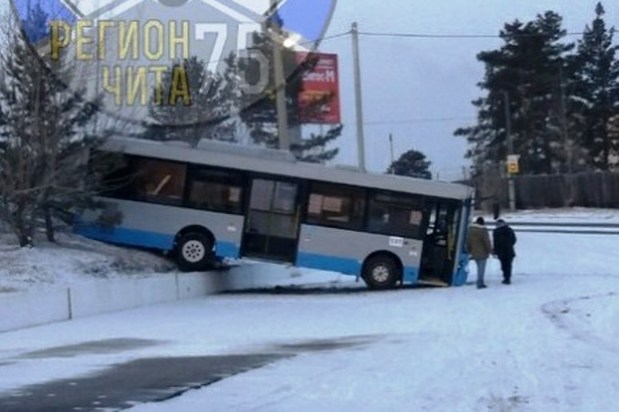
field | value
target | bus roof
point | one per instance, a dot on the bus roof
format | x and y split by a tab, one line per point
278	162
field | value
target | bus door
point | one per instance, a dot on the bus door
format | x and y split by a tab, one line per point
272	222
439	245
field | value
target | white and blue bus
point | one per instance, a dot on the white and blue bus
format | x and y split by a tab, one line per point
238	202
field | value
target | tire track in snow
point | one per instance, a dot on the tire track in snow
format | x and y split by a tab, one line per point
557	311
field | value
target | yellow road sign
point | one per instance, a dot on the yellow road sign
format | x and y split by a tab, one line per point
512	164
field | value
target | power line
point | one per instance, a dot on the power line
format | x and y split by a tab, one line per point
420	120
427	35
335	36
325	38
453	36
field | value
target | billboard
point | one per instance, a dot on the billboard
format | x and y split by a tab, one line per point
319	98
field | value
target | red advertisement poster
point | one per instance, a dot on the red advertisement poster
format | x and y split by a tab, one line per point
319	100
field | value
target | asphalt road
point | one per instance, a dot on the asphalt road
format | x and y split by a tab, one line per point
138	381
143	380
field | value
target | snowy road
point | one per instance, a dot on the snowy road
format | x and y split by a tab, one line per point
548	342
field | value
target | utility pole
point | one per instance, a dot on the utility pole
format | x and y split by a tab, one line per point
279	80
511	190
358	97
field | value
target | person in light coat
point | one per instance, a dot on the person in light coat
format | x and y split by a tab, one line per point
479	247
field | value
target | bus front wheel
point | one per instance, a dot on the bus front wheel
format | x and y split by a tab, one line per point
193	251
380	272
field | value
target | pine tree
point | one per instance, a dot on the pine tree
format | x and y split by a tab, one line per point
208	114
43	138
259	114
525	72
613	135
596	88
412	163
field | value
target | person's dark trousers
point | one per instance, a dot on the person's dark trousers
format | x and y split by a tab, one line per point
506	267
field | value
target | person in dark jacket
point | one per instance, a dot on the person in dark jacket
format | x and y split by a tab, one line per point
479	247
504	240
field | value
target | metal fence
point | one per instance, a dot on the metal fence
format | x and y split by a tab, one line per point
594	189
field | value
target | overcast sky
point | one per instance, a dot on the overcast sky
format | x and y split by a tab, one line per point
410	84
420	89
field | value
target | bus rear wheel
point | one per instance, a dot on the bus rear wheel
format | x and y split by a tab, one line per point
381	272
193	251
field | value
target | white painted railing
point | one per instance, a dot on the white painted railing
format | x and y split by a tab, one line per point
45	305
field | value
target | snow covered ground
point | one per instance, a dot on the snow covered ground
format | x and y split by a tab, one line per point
549	341
568	215
73	259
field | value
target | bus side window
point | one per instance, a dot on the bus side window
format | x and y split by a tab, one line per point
114	173
159	181
215	190
395	215
335	205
